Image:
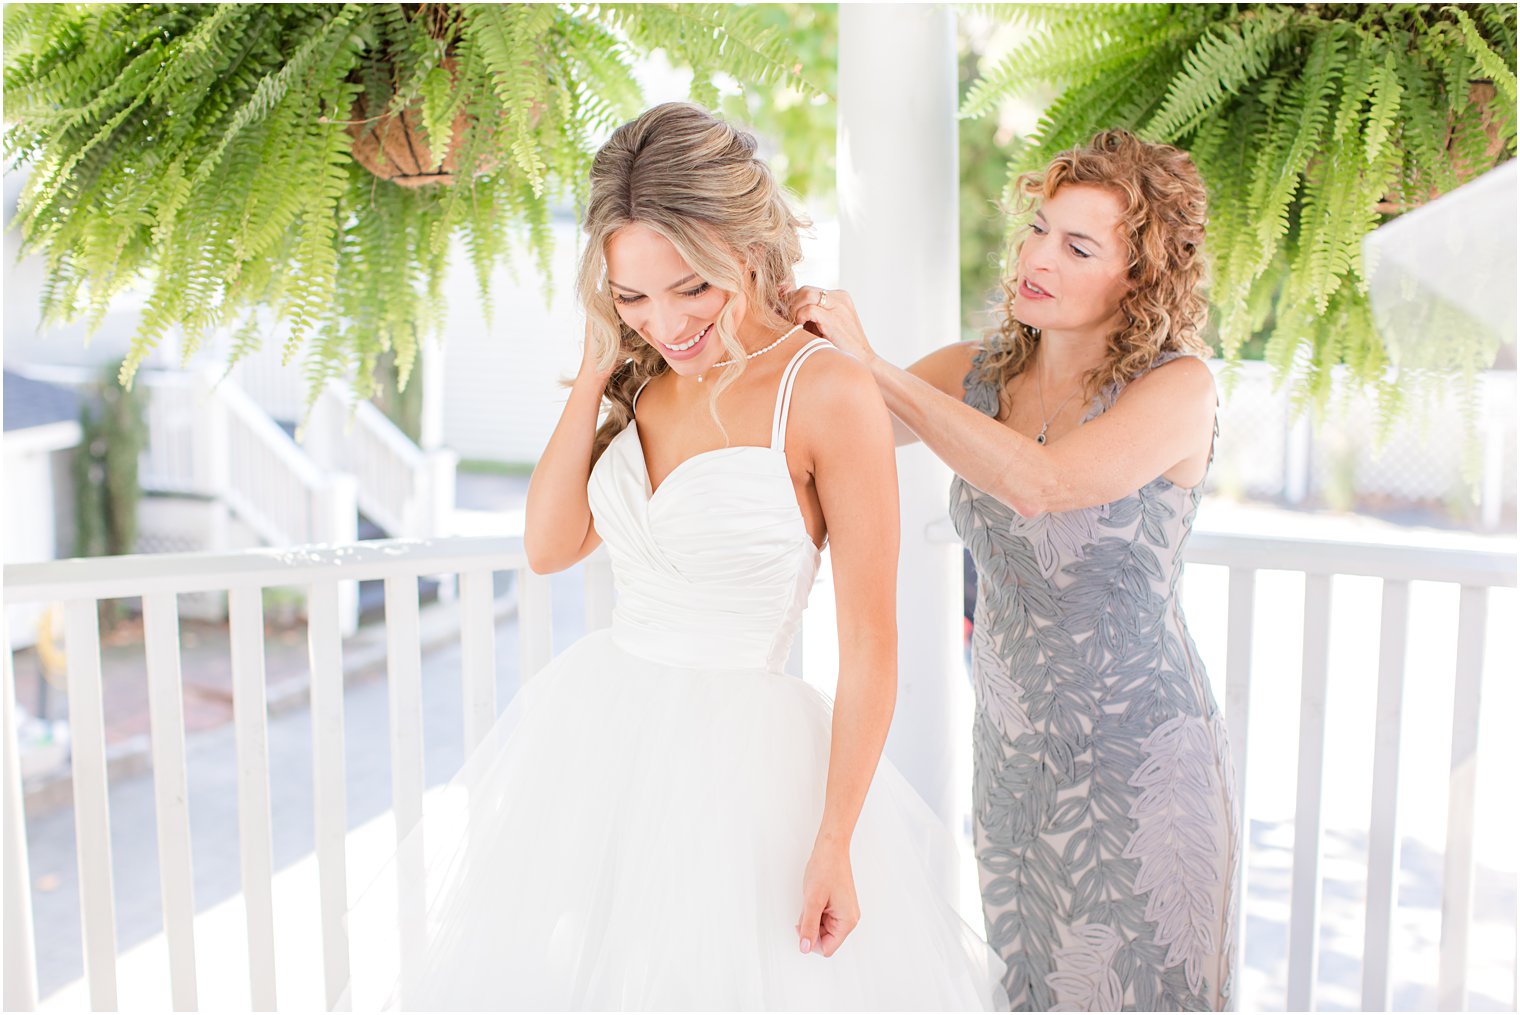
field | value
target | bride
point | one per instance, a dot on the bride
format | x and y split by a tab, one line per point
662	818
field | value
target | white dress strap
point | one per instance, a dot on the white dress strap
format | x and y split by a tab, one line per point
784	395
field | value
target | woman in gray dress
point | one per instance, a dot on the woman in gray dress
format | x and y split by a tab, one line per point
1080	433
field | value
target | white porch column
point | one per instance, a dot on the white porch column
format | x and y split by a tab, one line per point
899	259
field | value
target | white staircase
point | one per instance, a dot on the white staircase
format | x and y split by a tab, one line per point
239	479
406	491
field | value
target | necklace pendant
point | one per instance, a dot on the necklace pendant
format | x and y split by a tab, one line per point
1040	439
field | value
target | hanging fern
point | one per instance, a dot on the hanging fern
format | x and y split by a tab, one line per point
1311	124
204	152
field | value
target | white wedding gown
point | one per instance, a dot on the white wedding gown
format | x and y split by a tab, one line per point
633	831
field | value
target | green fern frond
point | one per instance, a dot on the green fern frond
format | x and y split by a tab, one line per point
1381	118
273	88
1303	115
510	41
1221	63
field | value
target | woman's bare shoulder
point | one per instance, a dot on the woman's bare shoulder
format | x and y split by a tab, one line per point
946	368
834	401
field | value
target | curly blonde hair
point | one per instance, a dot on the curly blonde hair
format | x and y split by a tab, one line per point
694	180
1165	214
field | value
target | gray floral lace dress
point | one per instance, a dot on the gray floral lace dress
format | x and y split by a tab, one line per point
1105	826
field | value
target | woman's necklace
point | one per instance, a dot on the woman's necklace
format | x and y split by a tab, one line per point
1045	424
758	352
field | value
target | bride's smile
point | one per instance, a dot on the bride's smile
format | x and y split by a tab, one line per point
670	306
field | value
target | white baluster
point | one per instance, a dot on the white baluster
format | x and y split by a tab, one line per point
1383	829
324	622
20	993
478	647
1303	927
1457	883
92	820
404	669
1237	713
176	881
245	609
535	621
404	659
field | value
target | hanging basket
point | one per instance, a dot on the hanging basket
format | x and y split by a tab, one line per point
394	147
1411	194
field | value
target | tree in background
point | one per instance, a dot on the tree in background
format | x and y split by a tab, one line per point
106	491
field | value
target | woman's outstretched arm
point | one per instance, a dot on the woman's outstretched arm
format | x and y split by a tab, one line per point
1164	419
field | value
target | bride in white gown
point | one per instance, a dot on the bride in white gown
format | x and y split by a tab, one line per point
662	818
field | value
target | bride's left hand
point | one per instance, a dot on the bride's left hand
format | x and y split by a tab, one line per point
829	907
831	314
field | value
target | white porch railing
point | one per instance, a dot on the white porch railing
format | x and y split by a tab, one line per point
261	473
1475	572
158	579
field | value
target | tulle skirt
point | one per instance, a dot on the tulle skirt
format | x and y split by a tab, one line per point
632	835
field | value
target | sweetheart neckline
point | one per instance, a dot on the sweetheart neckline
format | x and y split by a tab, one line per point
651	491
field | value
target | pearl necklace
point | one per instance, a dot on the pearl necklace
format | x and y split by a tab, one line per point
758	352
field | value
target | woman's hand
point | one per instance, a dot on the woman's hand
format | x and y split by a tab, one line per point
590	369
831	314
829	908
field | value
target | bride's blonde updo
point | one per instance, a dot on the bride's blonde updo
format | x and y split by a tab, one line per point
696	181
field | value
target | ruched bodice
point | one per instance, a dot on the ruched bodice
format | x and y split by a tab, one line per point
716	564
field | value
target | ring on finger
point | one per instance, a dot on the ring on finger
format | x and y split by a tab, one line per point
823	298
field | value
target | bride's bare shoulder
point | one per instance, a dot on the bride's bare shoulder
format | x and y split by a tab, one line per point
835	400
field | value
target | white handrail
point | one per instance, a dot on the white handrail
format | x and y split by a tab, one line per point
269	481
138	574
1373	560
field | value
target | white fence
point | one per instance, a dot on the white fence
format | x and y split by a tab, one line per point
158	579
1476	572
